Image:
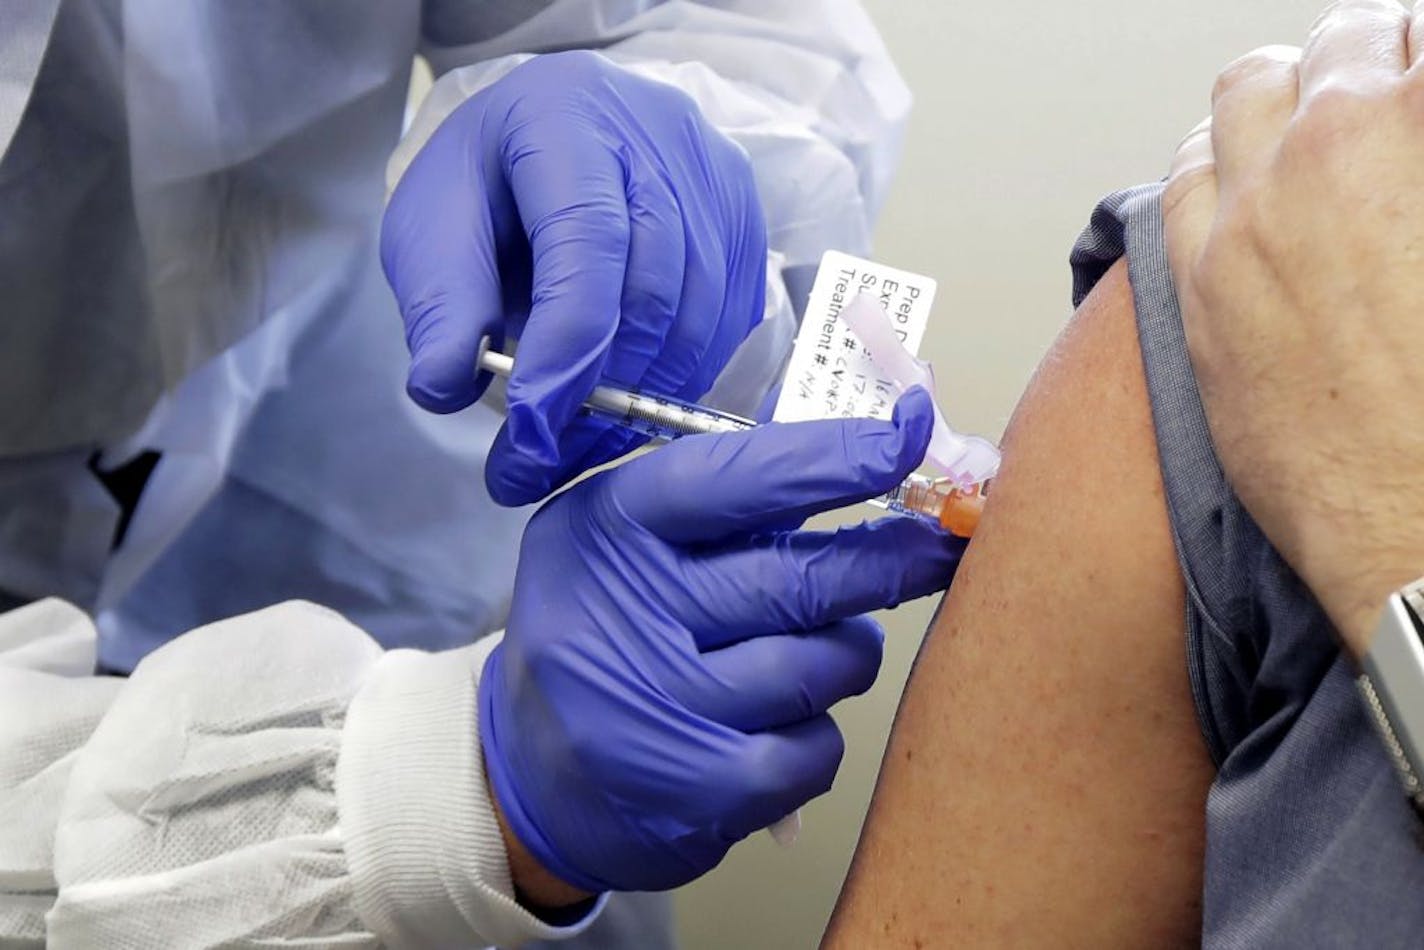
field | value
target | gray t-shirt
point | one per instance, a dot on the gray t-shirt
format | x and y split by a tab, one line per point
1310	841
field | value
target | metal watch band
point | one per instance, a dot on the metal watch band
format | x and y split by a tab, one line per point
1392	684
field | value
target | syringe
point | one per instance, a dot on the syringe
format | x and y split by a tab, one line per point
663	418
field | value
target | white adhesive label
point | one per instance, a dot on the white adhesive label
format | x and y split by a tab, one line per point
831	376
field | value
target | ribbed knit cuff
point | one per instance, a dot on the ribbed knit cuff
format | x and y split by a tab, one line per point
427	860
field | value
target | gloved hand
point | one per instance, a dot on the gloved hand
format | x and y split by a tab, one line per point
674	644
597	217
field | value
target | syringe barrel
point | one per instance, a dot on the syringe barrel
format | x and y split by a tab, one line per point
667	419
939	500
660	417
656	416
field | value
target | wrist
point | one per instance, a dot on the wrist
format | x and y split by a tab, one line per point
1357	602
428	860
534	885
1353	569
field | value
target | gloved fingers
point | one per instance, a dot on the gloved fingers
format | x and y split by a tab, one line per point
711	175
780	770
776	681
585	443
725	269
568	186
437	241
806	580
743	307
707	488
742	243
654	278
695	323
652	294
741	295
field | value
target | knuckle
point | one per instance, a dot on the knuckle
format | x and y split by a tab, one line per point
1245	70
810	602
651	297
1337	99
1335	113
718	772
422	310
728	153
653	285
781	661
1330	16
759	774
577	64
834	753
862	648
1201	131
552	88
806	705
674	99
688	461
869	647
876	466
599	221
1339	13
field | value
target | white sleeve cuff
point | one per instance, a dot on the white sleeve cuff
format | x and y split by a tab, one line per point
426	855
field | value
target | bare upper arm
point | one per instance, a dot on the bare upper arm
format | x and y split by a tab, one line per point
1045	782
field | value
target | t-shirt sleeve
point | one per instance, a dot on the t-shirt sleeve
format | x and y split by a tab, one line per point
1310	841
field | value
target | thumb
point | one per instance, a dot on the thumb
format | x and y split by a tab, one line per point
773	475
438	253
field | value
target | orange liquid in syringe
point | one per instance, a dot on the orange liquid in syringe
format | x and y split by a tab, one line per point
957	510
961	511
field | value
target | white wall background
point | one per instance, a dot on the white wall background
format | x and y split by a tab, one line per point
1026	113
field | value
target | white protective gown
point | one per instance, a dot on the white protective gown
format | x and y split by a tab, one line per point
190	195
272	780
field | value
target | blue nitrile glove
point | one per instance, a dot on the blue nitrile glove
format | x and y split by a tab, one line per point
596	216
674	644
